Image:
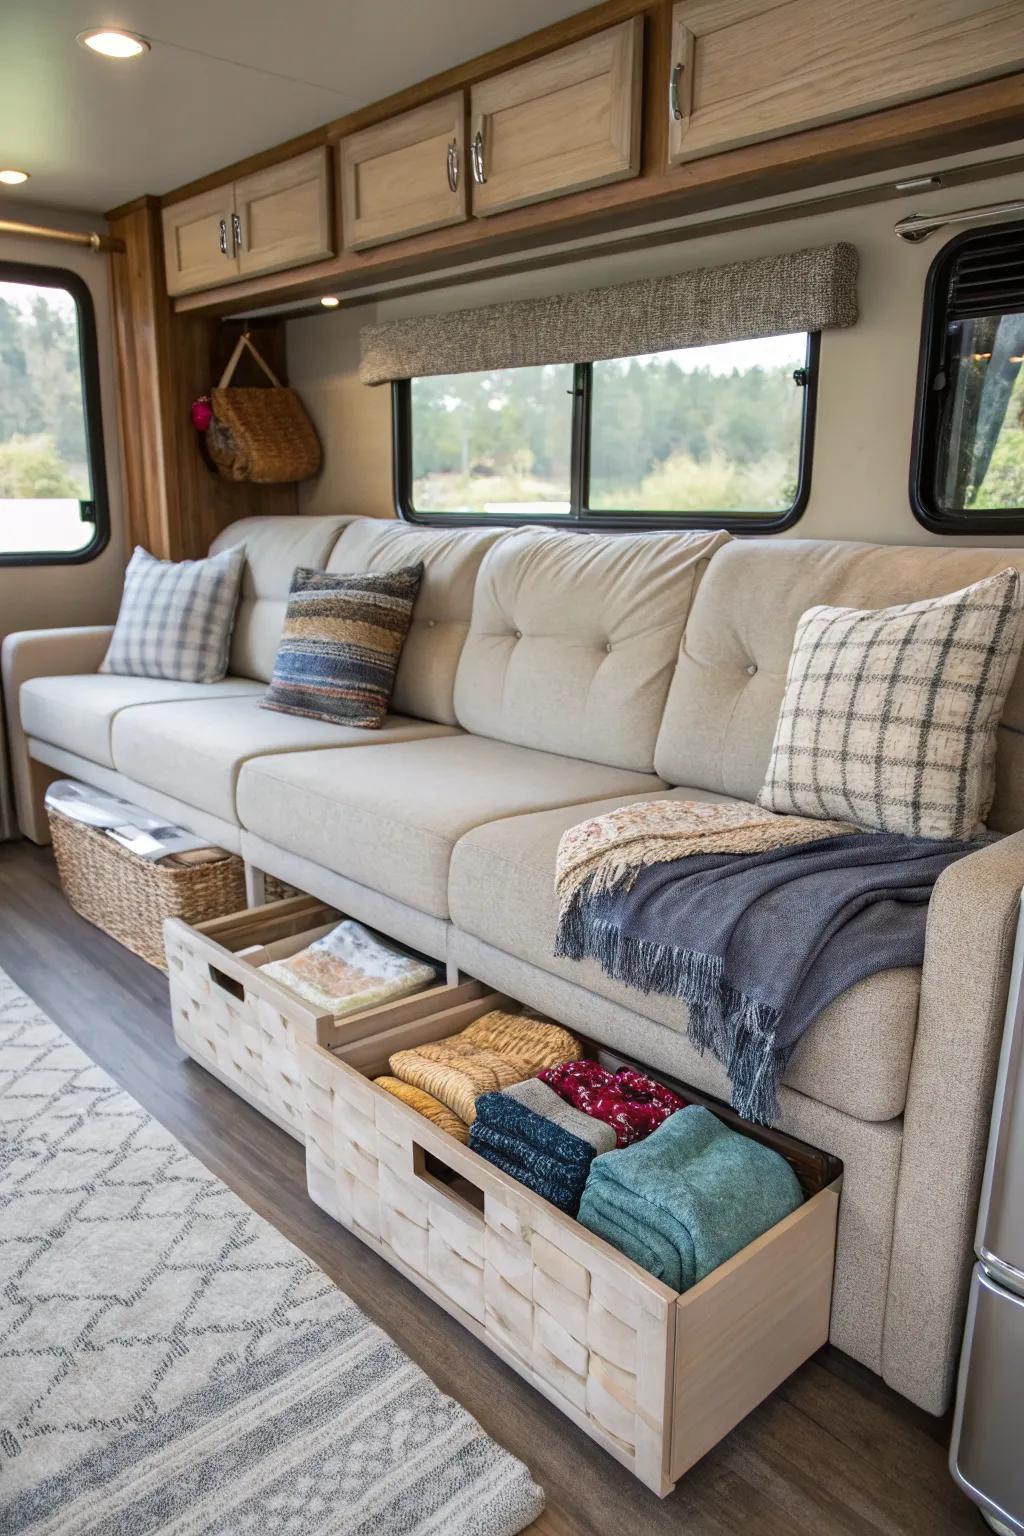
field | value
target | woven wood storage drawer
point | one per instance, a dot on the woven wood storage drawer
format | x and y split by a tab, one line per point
242	1026
654	1377
131	898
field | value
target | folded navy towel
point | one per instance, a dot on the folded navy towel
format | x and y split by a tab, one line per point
536	1095
538	1152
558	1182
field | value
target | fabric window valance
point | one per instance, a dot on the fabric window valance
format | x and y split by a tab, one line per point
811	290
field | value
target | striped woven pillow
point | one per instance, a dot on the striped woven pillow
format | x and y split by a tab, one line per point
889	717
342	640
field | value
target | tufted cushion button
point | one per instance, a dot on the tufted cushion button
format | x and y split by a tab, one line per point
519	634
752	669
431	623
608	647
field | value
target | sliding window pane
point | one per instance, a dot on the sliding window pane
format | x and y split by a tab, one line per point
498	443
700	430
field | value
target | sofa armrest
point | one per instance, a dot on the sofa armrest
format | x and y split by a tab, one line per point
972	925
41	653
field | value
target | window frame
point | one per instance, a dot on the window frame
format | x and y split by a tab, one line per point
38	276
580	515
928	421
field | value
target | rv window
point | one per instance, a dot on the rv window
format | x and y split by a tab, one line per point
52	483
705	429
968	462
493	444
715	436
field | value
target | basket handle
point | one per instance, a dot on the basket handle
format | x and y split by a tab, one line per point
245	340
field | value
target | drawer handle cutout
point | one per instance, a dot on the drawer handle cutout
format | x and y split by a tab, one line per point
227	983
460	1192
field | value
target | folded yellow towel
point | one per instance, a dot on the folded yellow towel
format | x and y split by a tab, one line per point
424	1104
496	1051
534	1041
457	1072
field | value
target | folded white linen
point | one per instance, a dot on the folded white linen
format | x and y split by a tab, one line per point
350	969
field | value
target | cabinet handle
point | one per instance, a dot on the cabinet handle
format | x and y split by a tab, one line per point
236	233
477	154
453	165
224	237
673	92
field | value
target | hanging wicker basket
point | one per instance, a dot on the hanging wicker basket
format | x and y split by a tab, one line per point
260	435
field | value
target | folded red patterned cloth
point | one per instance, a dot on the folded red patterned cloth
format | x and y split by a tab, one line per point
631	1103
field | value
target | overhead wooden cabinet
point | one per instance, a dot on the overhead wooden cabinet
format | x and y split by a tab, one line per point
197	241
563	122
745	70
405	175
273	219
283	215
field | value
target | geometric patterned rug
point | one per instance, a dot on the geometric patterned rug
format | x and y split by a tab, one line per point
170	1363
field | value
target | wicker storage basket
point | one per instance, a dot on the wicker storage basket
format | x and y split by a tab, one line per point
261	435
129	897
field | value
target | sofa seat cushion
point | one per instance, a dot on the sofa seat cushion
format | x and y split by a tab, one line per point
196	753
78	713
389	816
855	1056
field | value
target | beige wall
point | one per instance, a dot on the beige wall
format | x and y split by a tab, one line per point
866	386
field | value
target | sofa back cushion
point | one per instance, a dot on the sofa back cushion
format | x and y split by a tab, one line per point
274	546
723	706
574	639
451	558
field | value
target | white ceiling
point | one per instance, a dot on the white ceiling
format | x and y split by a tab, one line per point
225	79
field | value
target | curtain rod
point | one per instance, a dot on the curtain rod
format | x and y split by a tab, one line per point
95	241
918	226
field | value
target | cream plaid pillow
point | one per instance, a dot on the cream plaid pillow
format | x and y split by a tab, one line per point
889	718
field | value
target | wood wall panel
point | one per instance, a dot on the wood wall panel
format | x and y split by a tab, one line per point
174	504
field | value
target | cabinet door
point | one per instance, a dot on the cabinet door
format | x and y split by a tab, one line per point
404	176
197	241
744	70
564	122
284	215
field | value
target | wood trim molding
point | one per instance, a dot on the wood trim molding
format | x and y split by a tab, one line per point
974	117
174	505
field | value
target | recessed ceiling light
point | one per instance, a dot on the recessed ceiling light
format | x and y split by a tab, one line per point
329	301
13	178
113	43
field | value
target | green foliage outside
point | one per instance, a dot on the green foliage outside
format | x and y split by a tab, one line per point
1003	484
42	421
663	438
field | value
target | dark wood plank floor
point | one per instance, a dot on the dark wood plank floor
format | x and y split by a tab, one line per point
833	1453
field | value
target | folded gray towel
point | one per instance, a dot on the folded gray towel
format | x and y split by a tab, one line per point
535	1095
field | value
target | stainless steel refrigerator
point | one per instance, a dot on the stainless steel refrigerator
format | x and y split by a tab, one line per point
987	1451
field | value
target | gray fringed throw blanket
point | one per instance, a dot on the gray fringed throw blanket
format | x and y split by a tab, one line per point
757	943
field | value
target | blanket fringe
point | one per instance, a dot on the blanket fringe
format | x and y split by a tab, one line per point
739	1031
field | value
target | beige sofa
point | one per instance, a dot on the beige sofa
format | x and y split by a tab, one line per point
549	675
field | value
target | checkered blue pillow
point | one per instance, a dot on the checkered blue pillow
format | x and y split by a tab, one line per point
176	620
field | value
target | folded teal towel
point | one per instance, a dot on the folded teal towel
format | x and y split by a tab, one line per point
688	1197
